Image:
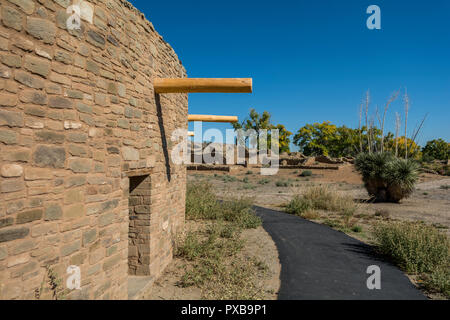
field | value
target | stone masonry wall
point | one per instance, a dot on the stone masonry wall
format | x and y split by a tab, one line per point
78	117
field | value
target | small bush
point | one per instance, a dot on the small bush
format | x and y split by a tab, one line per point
249	172
306	173
281	183
202	203
357	229
438	281
298	205
417	248
382	213
321	198
264	181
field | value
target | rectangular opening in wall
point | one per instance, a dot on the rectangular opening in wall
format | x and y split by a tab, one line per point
139	228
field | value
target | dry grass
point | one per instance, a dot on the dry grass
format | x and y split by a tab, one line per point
214	262
417	249
321	198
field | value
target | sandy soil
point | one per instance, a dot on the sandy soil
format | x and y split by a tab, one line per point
258	244
430	202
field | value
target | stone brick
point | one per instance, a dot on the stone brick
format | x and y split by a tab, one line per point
73	196
12	18
29	216
52	157
37	65
8	100
3	253
111	262
60	103
6	222
81	107
41	29
23	43
77	151
29	80
79	165
38	174
19	155
33	96
11	60
26	5
106	219
49	137
74	211
53	212
8	185
96	39
20	271
11	118
11	170
130	153
89	237
77	137
5	72
75	94
13	234
70	248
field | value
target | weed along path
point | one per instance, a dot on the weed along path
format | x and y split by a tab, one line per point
318	262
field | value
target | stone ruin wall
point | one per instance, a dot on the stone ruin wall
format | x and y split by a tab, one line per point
78	120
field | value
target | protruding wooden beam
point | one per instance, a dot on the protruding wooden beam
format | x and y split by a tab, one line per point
188	85
209	118
191	133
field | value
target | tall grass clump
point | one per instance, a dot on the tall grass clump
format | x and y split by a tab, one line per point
321	198
417	249
386	177
202	204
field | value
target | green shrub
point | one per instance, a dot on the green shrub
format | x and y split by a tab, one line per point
281	183
321	198
438	281
306	173
264	181
202	203
436	149
387	178
415	247
298	205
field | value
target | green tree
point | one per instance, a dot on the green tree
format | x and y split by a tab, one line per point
259	122
314	139
436	149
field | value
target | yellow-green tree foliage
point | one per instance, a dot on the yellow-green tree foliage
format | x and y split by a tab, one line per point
262	121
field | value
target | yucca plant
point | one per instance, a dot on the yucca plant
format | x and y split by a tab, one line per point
386	177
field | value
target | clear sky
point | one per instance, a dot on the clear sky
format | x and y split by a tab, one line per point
312	61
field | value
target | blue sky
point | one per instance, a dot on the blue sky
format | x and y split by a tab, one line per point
312	61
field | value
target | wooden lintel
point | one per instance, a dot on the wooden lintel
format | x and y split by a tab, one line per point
191	85
138	172
210	118
191	133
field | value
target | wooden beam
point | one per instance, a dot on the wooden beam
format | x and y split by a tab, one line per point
191	133
187	85
209	118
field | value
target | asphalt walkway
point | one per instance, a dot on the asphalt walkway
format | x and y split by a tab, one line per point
318	262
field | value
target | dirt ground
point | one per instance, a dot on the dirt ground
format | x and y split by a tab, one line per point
429	203
258	244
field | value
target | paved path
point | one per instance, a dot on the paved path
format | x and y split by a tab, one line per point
318	262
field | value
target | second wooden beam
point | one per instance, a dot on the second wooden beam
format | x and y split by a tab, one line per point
210	118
